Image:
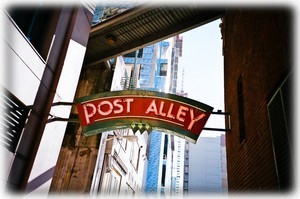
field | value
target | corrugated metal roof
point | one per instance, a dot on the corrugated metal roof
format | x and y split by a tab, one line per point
142	26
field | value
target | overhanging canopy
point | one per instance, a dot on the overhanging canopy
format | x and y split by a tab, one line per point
144	25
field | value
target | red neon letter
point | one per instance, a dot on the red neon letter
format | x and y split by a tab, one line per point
152	107
88	115
116	104
161	107
193	120
109	110
128	100
170	111
181	113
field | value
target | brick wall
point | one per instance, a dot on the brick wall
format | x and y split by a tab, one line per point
256	49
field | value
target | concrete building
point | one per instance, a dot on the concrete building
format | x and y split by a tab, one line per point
45	48
186	168
207	166
178	163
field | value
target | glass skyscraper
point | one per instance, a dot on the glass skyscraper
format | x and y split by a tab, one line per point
155	67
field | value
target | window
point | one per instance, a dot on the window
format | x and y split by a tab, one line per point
242	132
132	54
37	24
165	147
163	69
122	132
163	176
13	121
134	154
111	183
279	111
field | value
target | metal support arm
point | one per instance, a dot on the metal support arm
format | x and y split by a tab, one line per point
54	118
219	112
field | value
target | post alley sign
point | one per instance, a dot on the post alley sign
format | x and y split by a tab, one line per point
170	113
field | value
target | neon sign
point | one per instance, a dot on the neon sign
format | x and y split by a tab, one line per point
171	113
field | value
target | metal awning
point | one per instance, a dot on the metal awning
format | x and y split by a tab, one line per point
141	26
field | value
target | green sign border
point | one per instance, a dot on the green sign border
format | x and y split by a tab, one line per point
155	124
146	93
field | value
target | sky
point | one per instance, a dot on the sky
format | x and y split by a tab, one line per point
202	61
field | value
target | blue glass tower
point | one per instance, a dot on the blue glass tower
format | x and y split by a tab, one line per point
154	162
153	65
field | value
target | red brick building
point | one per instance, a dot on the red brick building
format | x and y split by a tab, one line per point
257	74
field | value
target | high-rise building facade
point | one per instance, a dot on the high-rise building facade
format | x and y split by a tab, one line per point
149	69
156	68
178	162
207	168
